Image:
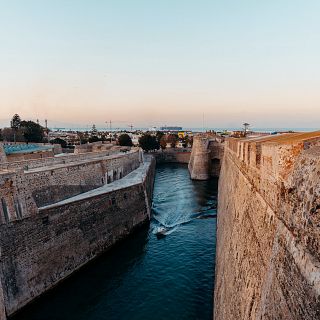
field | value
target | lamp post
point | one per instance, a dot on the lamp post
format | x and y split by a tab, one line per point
246	127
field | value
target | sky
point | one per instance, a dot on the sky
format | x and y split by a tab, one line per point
169	62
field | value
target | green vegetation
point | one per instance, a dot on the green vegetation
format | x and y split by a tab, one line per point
172	139
94	134
125	140
149	142
32	131
15	122
163	142
60	141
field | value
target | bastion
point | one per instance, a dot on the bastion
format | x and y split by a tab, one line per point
206	156
268	239
173	155
58	213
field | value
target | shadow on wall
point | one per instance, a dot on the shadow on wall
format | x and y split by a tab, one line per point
93	280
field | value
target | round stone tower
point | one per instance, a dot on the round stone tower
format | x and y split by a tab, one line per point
199	165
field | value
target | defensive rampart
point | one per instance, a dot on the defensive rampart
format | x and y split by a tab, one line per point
42	244
50	161
93	147
57	182
173	155
268	240
3	156
27	184
206	156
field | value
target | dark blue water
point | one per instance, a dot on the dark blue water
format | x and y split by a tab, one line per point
145	277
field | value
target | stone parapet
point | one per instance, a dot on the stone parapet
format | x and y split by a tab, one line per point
268	261
62	160
173	155
23	191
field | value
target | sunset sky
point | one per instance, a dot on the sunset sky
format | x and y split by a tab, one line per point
150	62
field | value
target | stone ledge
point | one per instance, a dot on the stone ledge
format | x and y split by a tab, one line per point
134	178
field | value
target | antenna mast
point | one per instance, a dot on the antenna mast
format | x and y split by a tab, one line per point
203	122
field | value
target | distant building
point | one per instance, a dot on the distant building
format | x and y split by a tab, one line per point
135	138
181	134
71	138
171	128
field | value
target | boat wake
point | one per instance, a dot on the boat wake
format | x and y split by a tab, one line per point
162	227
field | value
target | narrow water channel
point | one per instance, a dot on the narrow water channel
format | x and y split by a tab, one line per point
145	277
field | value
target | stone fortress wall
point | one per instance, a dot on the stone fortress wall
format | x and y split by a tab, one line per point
54	183
3	156
93	147
173	155
267	260
33	154
50	161
56	214
268	239
206	156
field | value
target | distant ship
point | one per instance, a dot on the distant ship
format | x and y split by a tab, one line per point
171	128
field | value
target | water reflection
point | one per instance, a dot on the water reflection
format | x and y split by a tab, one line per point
88	290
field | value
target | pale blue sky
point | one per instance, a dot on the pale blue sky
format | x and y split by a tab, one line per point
161	62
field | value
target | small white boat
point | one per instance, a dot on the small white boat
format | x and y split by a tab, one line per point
161	231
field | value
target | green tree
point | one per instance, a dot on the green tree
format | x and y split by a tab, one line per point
186	141
15	125
32	131
94	130
159	135
15	122
163	142
11	135
148	142
94	134
172	139
94	139
83	137
60	141
125	140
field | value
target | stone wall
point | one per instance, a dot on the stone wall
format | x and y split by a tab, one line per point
93	147
267	260
171	155
30	155
16	201
60	160
21	191
33	155
42	249
3	157
206	156
216	147
50	184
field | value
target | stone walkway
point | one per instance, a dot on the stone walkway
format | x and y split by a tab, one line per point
135	177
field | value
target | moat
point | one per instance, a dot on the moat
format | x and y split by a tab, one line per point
144	277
